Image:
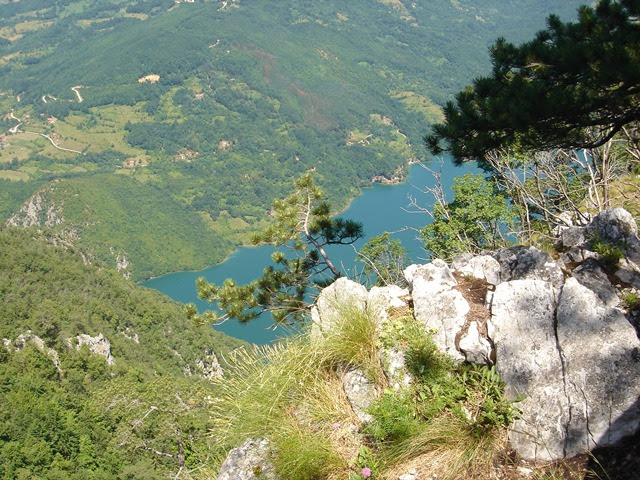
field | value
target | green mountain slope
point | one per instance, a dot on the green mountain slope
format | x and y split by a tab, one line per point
219	105
68	413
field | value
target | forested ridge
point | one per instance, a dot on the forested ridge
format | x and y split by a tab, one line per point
66	412
216	106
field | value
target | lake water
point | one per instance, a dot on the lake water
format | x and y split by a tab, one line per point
380	208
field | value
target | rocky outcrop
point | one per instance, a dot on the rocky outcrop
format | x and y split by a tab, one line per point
521	263
527	357
437	305
482	267
326	313
614	225
28	337
475	347
209	367
249	461
395	368
97	345
38	211
601	370
559	336
360	391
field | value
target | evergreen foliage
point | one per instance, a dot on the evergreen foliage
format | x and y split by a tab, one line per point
303	224
576	84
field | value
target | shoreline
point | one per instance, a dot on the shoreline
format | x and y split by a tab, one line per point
242	246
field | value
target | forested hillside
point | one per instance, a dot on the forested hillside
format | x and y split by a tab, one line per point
215	106
135	409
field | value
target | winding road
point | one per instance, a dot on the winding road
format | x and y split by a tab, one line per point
54	143
75	90
16	129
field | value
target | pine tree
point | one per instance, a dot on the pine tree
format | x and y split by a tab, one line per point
575	85
302	223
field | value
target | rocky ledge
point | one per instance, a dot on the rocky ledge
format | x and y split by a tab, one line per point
554	327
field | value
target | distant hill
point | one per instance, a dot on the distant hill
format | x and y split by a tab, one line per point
130	404
216	106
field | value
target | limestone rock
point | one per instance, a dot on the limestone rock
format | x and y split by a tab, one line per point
573	236
209	366
249	461
613	225
527	358
360	391
628	272
483	267
436	305
412	475
593	277
601	353
98	345
521	263
38	210
28	337
395	368
326	312
435	276
384	301
476	348
576	359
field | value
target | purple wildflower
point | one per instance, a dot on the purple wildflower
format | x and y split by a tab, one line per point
366	472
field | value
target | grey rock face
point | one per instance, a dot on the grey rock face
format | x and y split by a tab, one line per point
527	358
98	345
476	348
573	236
326	312
436	305
249	461
395	368
601	355
28	337
576	359
593	277
628	272
38	211
385	300
483	267
614	225
209	366
360	391
520	263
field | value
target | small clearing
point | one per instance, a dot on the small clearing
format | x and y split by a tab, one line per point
153	78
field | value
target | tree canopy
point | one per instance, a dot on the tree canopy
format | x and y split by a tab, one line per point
576	84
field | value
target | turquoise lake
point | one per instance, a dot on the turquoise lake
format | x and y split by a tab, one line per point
380	208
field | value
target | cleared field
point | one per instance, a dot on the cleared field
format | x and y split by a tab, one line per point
14	176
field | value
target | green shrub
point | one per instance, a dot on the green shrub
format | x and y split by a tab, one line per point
611	254
394	418
631	300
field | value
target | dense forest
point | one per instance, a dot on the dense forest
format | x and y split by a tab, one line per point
215	106
67	413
